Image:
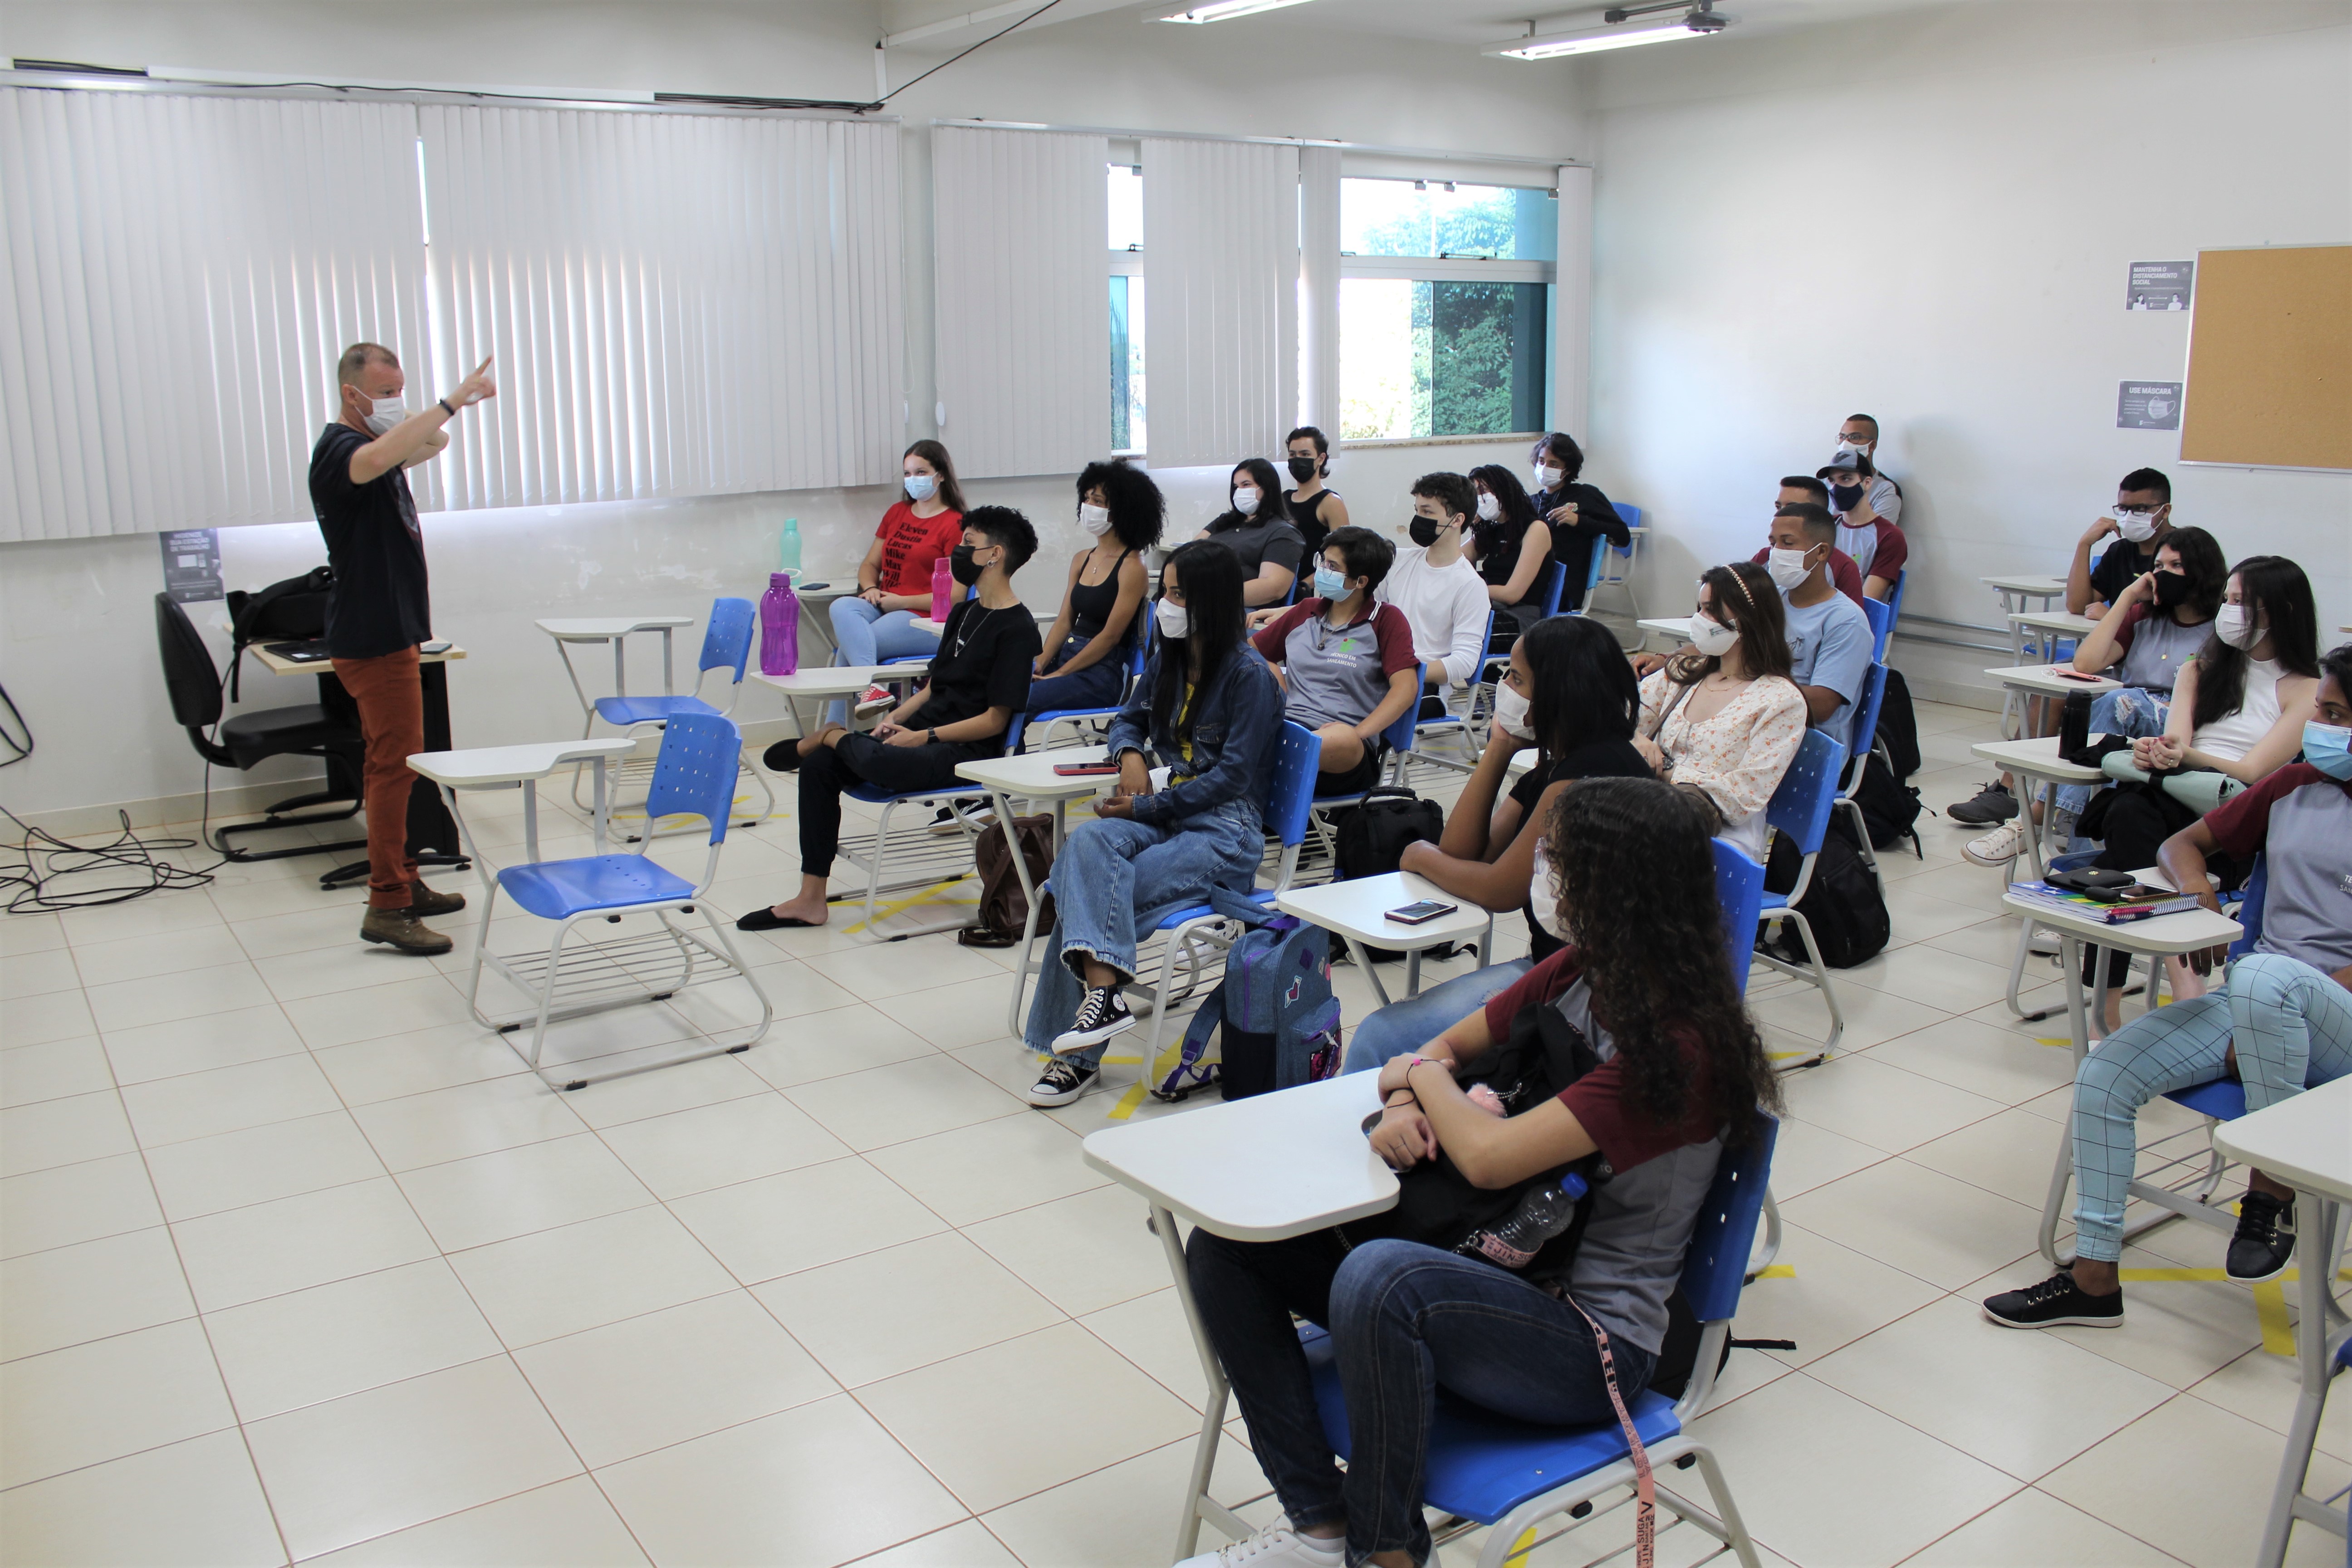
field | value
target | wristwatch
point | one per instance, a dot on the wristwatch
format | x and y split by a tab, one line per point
445	408
932	736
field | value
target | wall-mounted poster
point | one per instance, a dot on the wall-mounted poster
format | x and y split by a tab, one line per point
2148	406
192	564
2161	286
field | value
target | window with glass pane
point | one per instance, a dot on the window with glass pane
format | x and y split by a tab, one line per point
1126	238
1419	358
1430	217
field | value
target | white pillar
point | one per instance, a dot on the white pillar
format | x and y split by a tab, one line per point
1573	321
1318	288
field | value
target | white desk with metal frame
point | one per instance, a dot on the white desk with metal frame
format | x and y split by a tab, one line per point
1262	1169
2037	633
1031	777
616	630
2305	1141
2042	680
823	682
1356	913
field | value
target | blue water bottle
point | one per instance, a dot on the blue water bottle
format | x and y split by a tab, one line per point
788	549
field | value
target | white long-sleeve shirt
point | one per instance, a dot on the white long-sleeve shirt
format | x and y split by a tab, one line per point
1447	607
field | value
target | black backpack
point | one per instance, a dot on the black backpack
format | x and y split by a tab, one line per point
1898	728
1842	903
1371	839
293	609
1888	808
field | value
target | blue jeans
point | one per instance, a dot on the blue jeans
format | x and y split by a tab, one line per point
1099	685
2127	710
1114	883
1408	1025
1405	1319
2293	1028
865	634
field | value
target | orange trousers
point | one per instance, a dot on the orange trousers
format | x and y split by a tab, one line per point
390	693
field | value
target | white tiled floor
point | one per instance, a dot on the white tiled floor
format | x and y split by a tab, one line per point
297	1264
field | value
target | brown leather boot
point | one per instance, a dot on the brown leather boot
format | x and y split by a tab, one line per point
402	930
424	901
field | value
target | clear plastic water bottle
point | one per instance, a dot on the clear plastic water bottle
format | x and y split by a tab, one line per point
779	626
788	548
942	584
1543	1214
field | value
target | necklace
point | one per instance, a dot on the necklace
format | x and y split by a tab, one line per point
970	625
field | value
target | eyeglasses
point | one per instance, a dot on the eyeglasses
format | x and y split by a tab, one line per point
2124	511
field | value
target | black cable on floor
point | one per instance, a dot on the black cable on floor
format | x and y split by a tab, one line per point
33	886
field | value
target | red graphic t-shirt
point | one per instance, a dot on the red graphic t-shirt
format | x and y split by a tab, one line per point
910	543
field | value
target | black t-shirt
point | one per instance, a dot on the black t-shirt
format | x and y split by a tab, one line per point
1572	544
2113	571
380	602
983	662
1593	760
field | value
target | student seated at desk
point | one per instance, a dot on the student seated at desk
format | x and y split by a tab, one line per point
1878	548
2281	1021
894	581
1438	590
1092	640
1315	508
2142	517
1830	641
1258	532
1212	712
1681	1073
977	681
1797	490
2237	710
1570	695
1511	545
1348	668
1860	434
1724	718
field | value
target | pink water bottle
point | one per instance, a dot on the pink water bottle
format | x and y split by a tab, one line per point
942	580
779	626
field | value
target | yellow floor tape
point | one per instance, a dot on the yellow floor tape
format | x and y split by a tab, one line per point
2270	1298
883	911
1778	1272
1134	1096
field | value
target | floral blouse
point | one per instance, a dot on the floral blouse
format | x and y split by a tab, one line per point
1737	757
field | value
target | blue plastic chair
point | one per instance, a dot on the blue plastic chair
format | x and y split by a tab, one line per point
1191	932
1395	745
1739	888
726	645
695	776
1881	615
1799	808
1043	723
921	864
1512	1476
1457	723
1864	741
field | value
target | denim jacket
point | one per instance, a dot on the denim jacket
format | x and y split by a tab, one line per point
1236	729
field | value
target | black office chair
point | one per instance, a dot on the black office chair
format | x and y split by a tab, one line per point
304	730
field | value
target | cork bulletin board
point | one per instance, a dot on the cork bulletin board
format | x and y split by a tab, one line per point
2270	359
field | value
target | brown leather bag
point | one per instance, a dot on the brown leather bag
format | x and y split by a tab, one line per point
1003	907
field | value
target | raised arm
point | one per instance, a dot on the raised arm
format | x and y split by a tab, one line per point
2080	594
418	437
2105	645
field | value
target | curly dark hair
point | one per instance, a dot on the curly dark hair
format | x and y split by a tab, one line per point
1137	511
1658	963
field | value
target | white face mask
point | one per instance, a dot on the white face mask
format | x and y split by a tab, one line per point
920	486
1712	637
2236	624
1543	899
1511	709
1173	620
1789	569
1095	520
2137	527
1547	476
385	413
1245	497
1489	509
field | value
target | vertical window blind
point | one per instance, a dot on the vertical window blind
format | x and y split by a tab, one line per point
1318	288
678	304
177	277
1023	340
1221	303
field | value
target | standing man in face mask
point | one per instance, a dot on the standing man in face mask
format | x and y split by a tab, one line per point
1315	507
1830	641
2142	516
378	612
1877	546
1860	434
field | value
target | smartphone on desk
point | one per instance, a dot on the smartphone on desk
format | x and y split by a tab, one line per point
1421	912
439	644
1084	770
2062	673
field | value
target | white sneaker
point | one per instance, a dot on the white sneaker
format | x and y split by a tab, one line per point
1280	1547
875	698
2043	942
1996	846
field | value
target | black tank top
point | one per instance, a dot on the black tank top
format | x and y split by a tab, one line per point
1091	603
1302	518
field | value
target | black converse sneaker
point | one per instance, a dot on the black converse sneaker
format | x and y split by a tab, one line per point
2056	1300
1102	1014
2265	1238
1990	805
1062	1081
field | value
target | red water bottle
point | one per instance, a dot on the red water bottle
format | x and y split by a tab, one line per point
943	581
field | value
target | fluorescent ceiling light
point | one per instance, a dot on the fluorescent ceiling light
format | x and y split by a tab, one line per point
1227	10
1697	24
